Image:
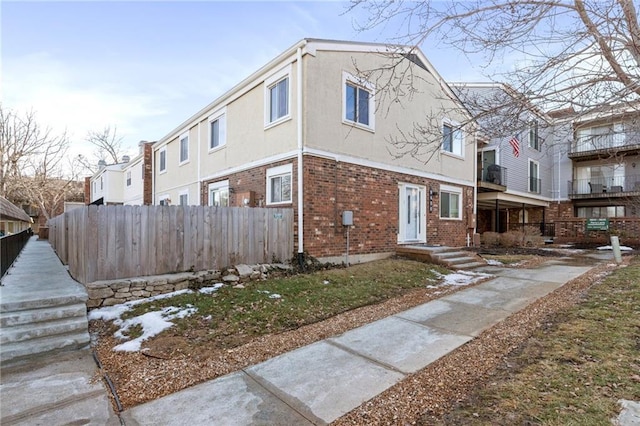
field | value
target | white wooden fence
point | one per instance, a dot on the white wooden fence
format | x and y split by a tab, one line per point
111	242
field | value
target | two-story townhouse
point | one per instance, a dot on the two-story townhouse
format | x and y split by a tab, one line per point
126	183
605	154
516	159
308	131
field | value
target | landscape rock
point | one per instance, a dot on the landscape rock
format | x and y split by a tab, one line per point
230	278
244	270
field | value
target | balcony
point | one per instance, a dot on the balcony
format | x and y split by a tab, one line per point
621	186
597	146
492	178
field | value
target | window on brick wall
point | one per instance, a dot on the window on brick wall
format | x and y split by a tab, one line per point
279	184
219	194
450	202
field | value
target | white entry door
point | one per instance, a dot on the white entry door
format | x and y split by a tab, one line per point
412	213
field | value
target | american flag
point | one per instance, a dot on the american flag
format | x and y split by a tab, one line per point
515	144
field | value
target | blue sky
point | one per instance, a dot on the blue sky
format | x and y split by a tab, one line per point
147	66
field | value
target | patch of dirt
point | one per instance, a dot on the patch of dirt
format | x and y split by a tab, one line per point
169	362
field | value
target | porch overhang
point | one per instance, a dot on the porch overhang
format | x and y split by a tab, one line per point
487	200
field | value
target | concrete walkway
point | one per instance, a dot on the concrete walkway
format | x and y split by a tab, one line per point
48	374
318	383
315	384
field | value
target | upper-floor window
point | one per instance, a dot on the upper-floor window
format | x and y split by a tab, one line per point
129	178
217	130
534	176
163	160
534	139
219	194
101	183
277	97
184	148
279	100
452	140
279	184
358	101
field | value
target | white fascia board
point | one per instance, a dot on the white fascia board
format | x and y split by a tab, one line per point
249	83
257	163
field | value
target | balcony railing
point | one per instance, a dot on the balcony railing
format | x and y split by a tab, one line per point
607	143
605	186
535	185
493	174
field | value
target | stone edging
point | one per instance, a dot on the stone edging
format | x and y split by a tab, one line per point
114	292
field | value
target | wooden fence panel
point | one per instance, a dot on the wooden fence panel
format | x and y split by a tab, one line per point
111	242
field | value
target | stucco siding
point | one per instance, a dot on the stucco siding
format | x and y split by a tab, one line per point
325	128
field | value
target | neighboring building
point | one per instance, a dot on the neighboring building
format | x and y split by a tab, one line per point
12	218
517	160
128	183
309	109
605	155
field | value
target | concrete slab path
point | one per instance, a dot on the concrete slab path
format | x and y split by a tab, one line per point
319	383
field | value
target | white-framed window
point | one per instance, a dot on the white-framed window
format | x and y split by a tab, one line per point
164	200
279	184
450	202
184	148
218	129
534	176
534	140
101	183
183	198
219	194
162	160
358	101
452	138
277	97
129	178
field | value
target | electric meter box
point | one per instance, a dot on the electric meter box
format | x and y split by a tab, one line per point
347	218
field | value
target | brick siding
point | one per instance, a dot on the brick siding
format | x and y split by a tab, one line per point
332	187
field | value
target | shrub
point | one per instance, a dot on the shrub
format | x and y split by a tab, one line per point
490	239
511	239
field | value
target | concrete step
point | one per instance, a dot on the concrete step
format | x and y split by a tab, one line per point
448	254
9	319
39	302
20	333
470	265
458	260
35	348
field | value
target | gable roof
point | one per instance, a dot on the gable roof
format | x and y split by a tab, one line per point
9	211
308	46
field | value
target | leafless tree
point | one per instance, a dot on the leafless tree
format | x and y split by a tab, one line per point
558	54
108	147
34	164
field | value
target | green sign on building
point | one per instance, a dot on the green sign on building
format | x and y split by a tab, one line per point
597	224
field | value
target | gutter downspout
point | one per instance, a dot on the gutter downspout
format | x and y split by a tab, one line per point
475	185
300	165
199	183
153	176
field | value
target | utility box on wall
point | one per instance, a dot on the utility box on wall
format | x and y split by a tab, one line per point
245	199
347	218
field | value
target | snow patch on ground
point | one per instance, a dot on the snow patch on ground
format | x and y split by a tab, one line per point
622	248
461	278
152	323
494	262
209	290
